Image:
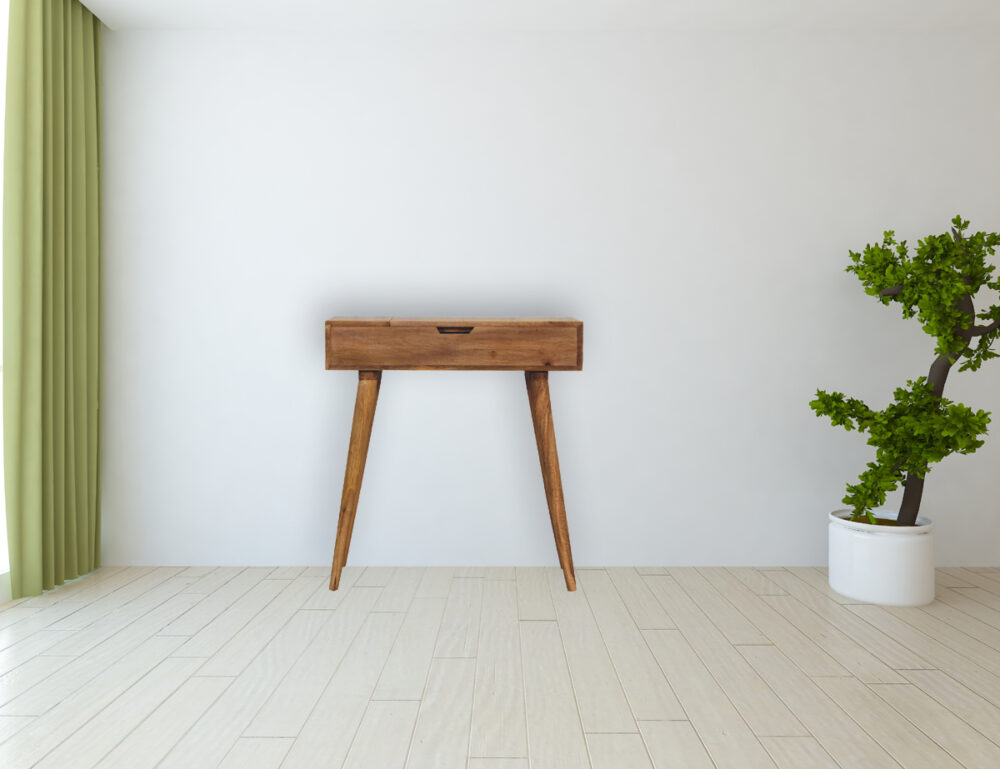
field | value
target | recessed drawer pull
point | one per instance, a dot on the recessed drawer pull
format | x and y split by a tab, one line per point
455	329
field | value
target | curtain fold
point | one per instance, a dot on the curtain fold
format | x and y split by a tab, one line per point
52	293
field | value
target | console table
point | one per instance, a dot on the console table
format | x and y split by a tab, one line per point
535	346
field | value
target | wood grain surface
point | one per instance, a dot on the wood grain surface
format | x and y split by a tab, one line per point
548	458
361	433
477	344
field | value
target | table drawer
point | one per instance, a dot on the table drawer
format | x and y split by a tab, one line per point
454	343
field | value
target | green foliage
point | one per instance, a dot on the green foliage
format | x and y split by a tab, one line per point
932	283
913	432
936	283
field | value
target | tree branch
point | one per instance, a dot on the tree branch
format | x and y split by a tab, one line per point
894	291
983	330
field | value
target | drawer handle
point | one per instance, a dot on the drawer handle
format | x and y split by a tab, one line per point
455	329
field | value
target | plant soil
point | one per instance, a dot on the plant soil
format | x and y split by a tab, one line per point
878	521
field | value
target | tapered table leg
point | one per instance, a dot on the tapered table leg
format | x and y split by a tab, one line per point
361	432
545	437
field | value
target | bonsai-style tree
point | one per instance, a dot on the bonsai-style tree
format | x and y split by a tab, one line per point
937	283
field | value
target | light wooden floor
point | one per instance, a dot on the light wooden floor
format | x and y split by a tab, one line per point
497	668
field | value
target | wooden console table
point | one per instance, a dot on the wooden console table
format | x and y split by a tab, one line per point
535	346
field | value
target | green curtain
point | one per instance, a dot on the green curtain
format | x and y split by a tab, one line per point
52	293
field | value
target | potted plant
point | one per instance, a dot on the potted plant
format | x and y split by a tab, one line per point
876	555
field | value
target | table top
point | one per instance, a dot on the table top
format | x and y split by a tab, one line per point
453	321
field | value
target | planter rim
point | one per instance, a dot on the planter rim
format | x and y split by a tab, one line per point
842	518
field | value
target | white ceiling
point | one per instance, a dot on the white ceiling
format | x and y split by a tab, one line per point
352	15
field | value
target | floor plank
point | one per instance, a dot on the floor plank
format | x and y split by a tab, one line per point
599	694
647	691
47	732
958	666
22	631
286	572
813	658
25	664
798	753
966	578
231	620
646	611
90	744
435	583
893	732
208	741
119	618
375	576
14	614
105	656
977	594
960	632
215	579
956	599
441	734
499	572
218	599
759	706
29	674
959	700
533	599
141	589
383	736
618	751
960	614
835	730
399	590
292	700
851	656
674	745
148	743
198	571
459	636
325	599
757	581
326	737
257	753
816	580
954	578
722	730
841	621
555	736
733	625
937	722
246	644
498	709
11	725
405	672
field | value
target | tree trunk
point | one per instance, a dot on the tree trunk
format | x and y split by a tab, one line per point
912	493
913	486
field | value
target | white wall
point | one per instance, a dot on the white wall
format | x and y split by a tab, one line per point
691	197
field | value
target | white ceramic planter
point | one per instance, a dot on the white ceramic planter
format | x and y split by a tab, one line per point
888	565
